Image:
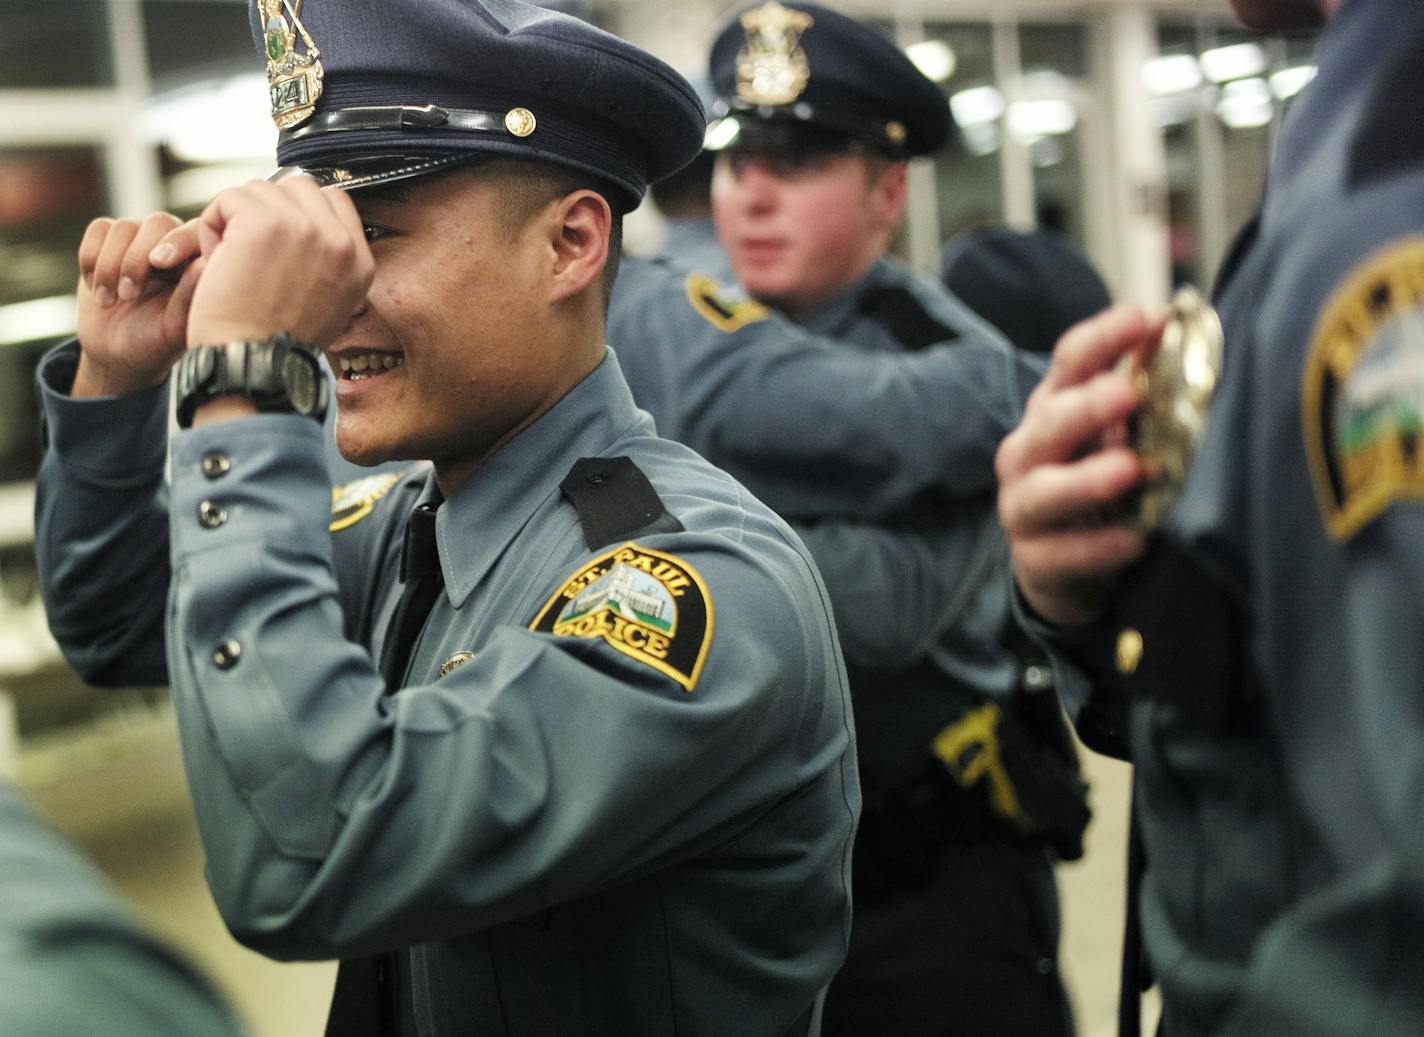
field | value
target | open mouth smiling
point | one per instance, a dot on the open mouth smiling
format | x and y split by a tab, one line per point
355	367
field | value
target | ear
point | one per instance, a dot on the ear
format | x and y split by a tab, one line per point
889	192
582	222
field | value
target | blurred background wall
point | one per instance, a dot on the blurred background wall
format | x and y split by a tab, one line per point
1141	129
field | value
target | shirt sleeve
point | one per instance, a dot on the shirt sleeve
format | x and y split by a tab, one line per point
811	427
514	774
896	589
101	526
74	962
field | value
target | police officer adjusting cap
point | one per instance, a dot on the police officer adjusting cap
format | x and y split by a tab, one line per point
368	91
799	76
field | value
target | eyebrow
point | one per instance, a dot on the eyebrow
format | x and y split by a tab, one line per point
387	192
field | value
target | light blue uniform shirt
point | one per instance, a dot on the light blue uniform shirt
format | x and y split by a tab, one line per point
1279	802
582	829
73	960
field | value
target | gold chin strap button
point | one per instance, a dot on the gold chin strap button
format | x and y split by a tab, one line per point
519	121
1129	651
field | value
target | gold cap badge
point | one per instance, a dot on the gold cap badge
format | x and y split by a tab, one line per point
771	66
1176	386
293	76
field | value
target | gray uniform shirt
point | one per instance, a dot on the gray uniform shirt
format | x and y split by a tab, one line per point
1278	795
586	825
809	426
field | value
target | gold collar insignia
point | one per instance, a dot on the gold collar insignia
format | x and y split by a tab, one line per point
771	66
293	76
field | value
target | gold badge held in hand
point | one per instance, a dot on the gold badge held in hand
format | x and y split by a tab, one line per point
293	78
1175	385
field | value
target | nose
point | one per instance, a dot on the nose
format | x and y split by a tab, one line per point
755	184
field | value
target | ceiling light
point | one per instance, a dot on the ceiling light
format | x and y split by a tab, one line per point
1031	120
934	58
219	120
1246	104
1288	82
976	105
1235	62
1171	74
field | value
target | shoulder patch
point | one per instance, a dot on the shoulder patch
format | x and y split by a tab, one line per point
353	502
726	315
649	605
1362	393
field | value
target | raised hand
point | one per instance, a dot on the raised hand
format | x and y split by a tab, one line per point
1066	471
283	256
133	299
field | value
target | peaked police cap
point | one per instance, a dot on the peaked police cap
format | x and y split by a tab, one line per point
799	75
366	91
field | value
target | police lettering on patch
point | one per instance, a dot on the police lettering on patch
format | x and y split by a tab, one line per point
354	501
1362	394
648	605
726	315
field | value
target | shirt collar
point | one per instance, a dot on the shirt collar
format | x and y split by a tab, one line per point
481	519
840	309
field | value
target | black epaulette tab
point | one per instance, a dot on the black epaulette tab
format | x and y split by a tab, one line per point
615	501
1388	141
906	318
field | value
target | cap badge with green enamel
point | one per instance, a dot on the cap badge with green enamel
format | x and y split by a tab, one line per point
294	71
771	66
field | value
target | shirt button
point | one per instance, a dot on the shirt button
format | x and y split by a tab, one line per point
216	464
226	655
211	515
1130	647
1044	966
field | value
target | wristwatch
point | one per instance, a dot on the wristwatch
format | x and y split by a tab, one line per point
279	375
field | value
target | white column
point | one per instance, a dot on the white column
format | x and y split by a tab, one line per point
1136	170
1015	161
134	185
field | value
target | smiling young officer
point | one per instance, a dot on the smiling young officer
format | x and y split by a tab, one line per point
608	785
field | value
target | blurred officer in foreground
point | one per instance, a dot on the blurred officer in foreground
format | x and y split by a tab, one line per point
1031	285
74	961
603	780
956	913
1259	656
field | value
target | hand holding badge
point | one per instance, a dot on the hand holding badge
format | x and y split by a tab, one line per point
1175	385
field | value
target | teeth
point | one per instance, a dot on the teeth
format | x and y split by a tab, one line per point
360	363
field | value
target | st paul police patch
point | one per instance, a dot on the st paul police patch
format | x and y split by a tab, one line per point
1362	396
354	501
648	605
726	315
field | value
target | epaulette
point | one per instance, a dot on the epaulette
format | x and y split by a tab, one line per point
905	317
615	501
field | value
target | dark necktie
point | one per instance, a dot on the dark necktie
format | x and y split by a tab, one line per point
366	1001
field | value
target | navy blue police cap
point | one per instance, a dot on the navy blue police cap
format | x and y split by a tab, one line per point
1032	285
367	91
798	76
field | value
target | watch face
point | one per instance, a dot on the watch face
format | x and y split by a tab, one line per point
300	378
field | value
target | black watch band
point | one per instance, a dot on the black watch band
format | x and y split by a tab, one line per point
279	375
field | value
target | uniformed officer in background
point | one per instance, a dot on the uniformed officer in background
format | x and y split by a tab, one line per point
603	780
74	961
956	924
1259	656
